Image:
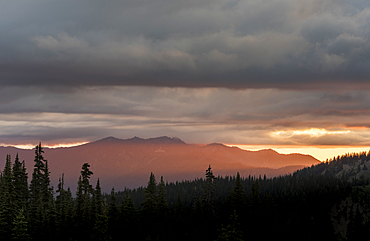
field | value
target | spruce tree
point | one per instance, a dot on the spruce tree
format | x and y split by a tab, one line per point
150	204
209	197
40	183
7	208
162	202
20	227
163	209
236	199
231	232
96	204
41	202
83	217
179	208
150	208
254	197
20	177
86	174
64	210
128	215
100	230
113	215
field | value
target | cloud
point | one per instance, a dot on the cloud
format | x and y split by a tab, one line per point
196	115
223	43
80	71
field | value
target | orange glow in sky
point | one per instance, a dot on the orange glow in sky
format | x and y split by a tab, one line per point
30	146
319	152
311	132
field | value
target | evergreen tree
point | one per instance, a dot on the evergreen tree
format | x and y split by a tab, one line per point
113	228
40	183
20	227
20	184
86	174
236	199
128	214
254	197
209	197
150	204
79	199
42	208
232	231
162	209
83	215
162	202
7	208
100	230
64	210
179	208
150	208
97	204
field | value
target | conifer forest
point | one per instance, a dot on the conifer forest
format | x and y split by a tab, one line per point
313	203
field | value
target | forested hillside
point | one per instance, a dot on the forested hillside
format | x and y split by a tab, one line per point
321	202
351	166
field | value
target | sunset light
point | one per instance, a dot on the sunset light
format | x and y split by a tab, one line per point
190	91
314	132
322	153
30	146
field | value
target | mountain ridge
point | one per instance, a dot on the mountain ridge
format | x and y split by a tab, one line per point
137	140
124	163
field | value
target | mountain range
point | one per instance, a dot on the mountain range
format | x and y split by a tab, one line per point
121	163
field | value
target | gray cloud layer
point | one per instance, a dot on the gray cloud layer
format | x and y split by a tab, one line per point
294	71
222	43
264	116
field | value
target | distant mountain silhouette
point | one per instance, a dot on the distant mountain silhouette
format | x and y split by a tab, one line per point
121	163
138	140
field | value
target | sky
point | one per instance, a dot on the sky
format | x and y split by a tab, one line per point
252	72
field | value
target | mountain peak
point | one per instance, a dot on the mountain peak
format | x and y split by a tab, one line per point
217	144
110	139
268	151
138	140
165	140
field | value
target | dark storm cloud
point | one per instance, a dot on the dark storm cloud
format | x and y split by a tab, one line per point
294	72
263	116
222	43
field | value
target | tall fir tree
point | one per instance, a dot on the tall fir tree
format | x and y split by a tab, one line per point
20	178
113	217
100	230
150	203
162	202
41	202
236	199
232	231
96	203
7	207
209	196
163	209
86	174
20	227
64	210
83	214
150	208
128	215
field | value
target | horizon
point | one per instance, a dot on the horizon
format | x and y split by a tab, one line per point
320	152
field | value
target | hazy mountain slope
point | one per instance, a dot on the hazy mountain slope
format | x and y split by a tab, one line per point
121	163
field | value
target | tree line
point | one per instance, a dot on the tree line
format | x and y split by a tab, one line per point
304	205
